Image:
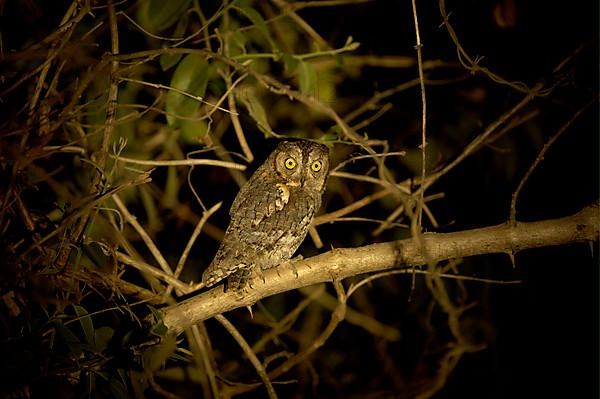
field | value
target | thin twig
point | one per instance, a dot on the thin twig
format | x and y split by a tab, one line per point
354	176
315	236
481	138
540	158
164	265
113	89
262	373
153	271
378	96
235	120
289	319
473	65
149	34
290	13
374	277
180	162
299	5
368	156
203	355
174	89
191	241
68	28
380	112
337	316
329	217
399	210
41	81
230	89
353	316
420	202
85	205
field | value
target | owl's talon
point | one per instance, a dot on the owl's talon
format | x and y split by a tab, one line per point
298	258
293	267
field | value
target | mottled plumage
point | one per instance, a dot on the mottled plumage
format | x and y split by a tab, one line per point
272	212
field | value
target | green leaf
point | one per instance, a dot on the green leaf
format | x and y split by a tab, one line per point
307	78
191	76
329	139
139	383
193	131
166	60
237	40
157	15
156	356
155	313
321	86
70	338
128	94
87	325
258	21
118	390
159	329
257	112
102	338
290	62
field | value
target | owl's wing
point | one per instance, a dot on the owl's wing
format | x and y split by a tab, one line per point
247	233
254	203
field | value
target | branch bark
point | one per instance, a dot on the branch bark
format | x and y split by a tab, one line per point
341	263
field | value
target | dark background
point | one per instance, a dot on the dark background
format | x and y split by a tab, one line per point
545	331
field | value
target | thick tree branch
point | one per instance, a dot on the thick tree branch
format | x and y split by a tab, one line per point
346	262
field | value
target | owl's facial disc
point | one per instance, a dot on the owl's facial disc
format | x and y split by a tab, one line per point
302	164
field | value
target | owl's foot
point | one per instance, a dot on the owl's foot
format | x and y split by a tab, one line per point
292	264
293	267
260	274
238	280
298	258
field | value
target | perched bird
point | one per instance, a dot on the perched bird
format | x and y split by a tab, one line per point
271	214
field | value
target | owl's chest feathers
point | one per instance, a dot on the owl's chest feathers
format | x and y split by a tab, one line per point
274	236
291	211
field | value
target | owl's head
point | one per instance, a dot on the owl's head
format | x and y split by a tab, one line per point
302	163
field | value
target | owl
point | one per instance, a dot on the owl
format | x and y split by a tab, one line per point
271	214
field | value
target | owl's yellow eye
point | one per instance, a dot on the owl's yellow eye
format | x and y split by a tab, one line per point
290	163
316	166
